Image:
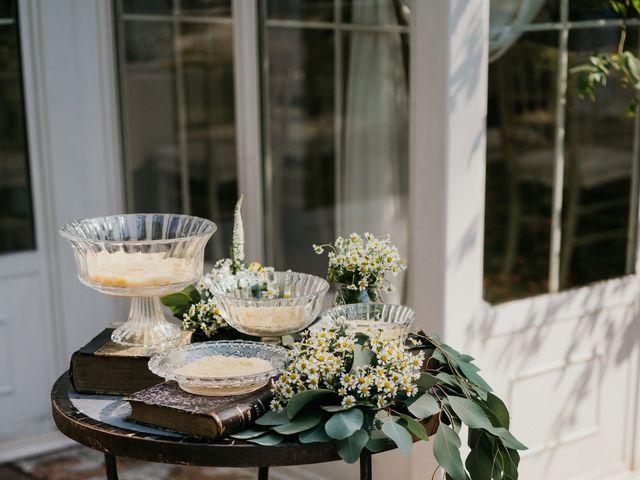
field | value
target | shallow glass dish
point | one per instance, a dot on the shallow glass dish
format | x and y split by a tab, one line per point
391	321
270	304
143	256
166	364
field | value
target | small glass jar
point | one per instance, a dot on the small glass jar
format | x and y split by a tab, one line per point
345	296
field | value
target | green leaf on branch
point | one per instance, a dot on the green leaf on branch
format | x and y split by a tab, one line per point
303	398
446	448
335	408
268	439
415	427
478	462
376	445
426	381
273	418
248	433
497	411
316	434
350	448
344	424
400	436
473	416
424	406
300	423
362	356
470	371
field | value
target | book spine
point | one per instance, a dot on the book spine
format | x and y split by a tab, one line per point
236	418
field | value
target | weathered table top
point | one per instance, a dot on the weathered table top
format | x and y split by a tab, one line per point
99	422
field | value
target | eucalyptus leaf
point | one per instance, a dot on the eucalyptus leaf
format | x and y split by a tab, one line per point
498	410
479	464
415	427
301	422
335	408
400	436
424	406
350	448
303	398
268	439
273	418
426	381
362	356
446	448
248	433
343	424
471	372
473	416
376	445
316	434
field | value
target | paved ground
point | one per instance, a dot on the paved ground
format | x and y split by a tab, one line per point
81	463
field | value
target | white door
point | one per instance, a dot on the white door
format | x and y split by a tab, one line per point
57	126
534	275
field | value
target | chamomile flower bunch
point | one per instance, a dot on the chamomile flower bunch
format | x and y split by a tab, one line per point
360	369
361	262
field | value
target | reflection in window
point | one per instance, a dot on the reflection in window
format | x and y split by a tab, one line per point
16	214
177	99
522	126
335	121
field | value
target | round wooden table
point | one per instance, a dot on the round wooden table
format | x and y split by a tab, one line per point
99	422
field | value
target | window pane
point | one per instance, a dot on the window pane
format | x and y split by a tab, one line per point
300	128
214	8
16	214
377	12
155	7
178	113
599	146
8	8
520	159
316	10
594	10
336	133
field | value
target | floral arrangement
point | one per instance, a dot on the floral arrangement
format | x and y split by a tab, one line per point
360	265
195	306
364	392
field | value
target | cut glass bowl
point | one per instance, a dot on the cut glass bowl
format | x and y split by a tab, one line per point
166	364
143	256
390	321
270	304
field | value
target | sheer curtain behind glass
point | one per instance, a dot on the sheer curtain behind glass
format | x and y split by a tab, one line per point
335	121
374	188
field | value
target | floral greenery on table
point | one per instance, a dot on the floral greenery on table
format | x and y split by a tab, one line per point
195	306
369	393
358	266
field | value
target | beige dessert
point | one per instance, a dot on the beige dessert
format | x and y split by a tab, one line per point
271	320
120	269
220	366
386	331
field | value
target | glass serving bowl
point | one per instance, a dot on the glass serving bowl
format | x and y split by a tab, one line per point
143	256
166	364
270	304
392	321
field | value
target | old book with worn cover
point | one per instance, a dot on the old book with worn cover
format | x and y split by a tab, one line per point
106	368
168	407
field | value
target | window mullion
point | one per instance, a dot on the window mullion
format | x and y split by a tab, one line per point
338	107
248	124
634	198
183	148
559	152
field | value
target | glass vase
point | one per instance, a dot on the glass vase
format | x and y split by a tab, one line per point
345	296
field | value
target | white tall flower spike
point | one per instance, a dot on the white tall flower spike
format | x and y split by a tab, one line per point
237	249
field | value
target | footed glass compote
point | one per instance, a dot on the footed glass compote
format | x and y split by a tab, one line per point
142	256
270	304
384	319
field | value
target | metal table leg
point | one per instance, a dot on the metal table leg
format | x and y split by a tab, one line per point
110	466
263	473
365	465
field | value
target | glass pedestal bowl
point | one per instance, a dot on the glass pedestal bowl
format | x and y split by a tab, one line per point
168	365
142	256
390	321
270	304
